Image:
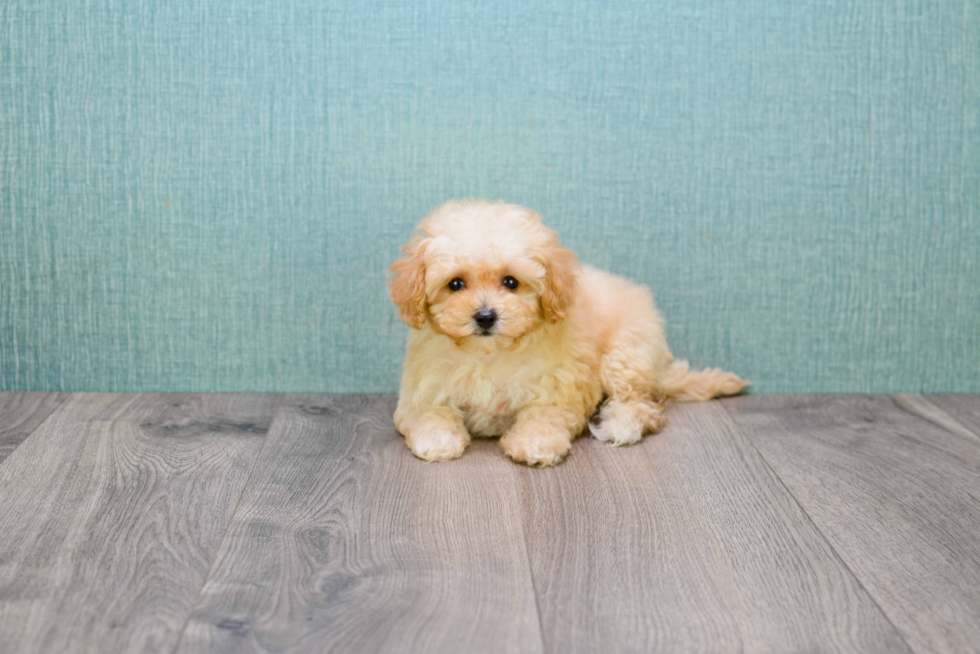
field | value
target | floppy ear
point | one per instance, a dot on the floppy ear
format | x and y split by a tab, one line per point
561	266
407	285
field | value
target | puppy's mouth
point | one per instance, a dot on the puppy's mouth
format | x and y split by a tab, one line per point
484	332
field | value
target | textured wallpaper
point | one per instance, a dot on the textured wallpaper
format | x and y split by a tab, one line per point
205	195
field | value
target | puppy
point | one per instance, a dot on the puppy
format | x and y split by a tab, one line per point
514	338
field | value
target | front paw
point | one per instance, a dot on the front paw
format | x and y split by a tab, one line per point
537	449
437	445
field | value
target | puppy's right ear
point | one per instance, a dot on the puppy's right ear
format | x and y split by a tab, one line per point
407	284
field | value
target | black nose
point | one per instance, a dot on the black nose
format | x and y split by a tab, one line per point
485	318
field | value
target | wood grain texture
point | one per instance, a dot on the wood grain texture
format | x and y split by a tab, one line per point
345	542
686	542
21	413
894	485
963	408
112	513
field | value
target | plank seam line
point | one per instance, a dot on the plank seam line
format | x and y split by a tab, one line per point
48	417
527	558
976	436
809	519
231	519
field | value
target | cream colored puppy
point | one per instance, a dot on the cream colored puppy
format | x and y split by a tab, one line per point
514	338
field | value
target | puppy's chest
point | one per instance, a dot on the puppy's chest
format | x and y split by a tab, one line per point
490	398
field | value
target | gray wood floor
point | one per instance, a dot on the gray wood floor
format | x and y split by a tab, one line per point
229	523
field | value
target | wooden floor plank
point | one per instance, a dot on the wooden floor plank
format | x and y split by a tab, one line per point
112	512
964	408
345	542
686	542
21	413
894	485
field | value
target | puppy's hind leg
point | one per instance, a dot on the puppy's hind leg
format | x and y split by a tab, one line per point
635	402
624	421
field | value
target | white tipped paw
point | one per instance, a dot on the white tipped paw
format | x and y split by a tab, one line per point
544	450
624	423
437	445
616	432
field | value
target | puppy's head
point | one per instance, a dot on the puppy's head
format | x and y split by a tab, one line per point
483	271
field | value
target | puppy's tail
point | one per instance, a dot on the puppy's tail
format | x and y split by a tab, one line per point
685	385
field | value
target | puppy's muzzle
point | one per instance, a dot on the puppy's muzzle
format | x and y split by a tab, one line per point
485	319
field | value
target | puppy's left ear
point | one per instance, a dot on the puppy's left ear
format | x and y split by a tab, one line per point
561	277
407	285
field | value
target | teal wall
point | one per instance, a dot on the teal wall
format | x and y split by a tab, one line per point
206	195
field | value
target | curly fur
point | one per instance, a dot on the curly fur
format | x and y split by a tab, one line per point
567	338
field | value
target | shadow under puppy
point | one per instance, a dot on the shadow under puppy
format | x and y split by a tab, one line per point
514	338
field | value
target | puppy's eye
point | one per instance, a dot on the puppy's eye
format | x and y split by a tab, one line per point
457	284
510	282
